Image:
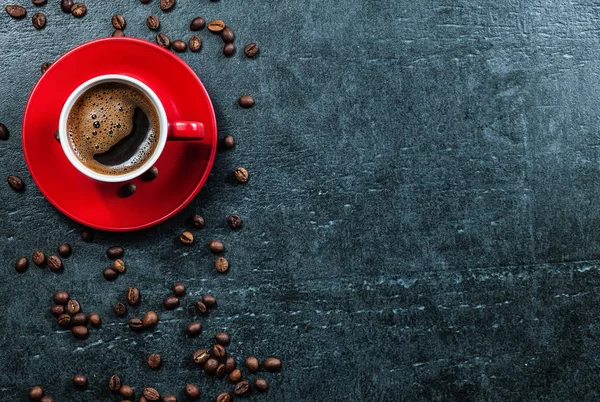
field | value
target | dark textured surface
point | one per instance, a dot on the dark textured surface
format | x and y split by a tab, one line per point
421	221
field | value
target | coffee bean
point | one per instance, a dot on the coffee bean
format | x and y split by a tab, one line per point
234	221
118	265
38	2
178	289
197	24
228	142
228	49
209	301
198	221
201	356
135	324
126	391
195	43
64	320
241	175
152	22
57	310
115	252
220	372
73	307
179	46
145	1
166	5
79	331
171	302
246	101
251	50
66	5
235	376
218	351
64	250
127	190
227	35
120	309
95	320
163	40
87	235
150	174
230	365
150	319
21	265
117	33
216	26
110	274
35	393
114	383
133	296
17	12
79	381
210	367
169	398
272	364
222	338
223	397
38	20
78	10
46	399
61	297
241	388
15	183
3	132
221	265
261	384
151	394
252	364
79	319
192	391
45	66
186	238
154	361
54	263
118	21
56	133
194	329
200	307
38	257
216	246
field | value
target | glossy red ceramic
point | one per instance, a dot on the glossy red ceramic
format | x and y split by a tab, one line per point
183	166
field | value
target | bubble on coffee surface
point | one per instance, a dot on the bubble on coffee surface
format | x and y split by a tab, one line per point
113	128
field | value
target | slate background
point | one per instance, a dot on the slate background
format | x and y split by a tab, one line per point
421	221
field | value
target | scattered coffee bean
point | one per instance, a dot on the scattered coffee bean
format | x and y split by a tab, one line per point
21	265
3	132
120	309
251	50
221	265
228	142
198	221
154	361
216	246
234	221
73	307
38	257
200	307
230	365
56	133
64	320
36	393
110	274
261	384
118	265
201	356
252	364
79	381
246	101
95	320
135	324
228	49
241	175
145	1
272	364
47	399
166	5
151	394
87	235
54	263
126	391
223	397
163	40
38	3
220	371
127	190
235	376
118	21
61	297
218	351
115	252
57	310
209	301
179	46
216	26
38	20
79	331
227	35
66	5
241	388
78	10
186	238
194	329
222	338
178	289
16	12
171	302
15	183
150	319
133	296
210	367
79	319
117	33
192	392
153	22
45	66
114	383
64	250
150	174
169	398
195	43
197	24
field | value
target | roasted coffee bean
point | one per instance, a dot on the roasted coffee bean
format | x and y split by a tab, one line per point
228	142
64	320
115	252
120	309
252	364
218	351
117	33
17	12
195	43
114	383
171	302
163	40
126	391
197	24
178	289
47	399
38	257
241	175
79	381
235	376
150	319
3	132
223	397
79	319
145	1
56	133
61	297
261	384
78	10
241	388
216	246
150	174
192	392
216	26
38	3
200	307
36	393
45	66
227	35
118	21
201	356
110	274
38	20
79	331
21	265
95	320
151	394
64	250
73	307
118	265
228	49
210	367
166	5
135	324
194	329
209	301
220	372
153	22
222	338
179	46
154	361
133	296
198	221
15	183
222	265
186	238
246	101
251	50
54	263
66	5
272	364
169	398
230	365
127	190
87	235
57	310
234	221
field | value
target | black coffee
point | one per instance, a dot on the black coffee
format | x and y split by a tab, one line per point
113	128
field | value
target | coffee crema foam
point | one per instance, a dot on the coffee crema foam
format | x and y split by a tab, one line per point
102	117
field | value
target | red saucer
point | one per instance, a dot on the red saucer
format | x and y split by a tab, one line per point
183	166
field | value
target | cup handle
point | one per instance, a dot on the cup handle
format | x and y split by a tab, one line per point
185	131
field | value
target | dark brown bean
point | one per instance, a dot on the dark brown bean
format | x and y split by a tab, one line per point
64	320
16	12
118	21
73	307
120	309
178	289
117	33
56	133
127	190
252	364
133	296
61	297
216	246
195	43
4	131
234	221
36	393
66	5
220	371
198	221
179	46
64	250
135	324
114	252
79	319
154	361
218	351
46	398
227	35
78	10
118	265
228	49
87	235
166	5
163	40
38	3
209	301
110	274
200	307
216	26
153	22
246	101
223	397
261	384
272	364
171	302
114	383
55	263
38	257
251	50
38	20
150	319
22	264
235	376
210	367
57	310
241	388
151	394
228	142
150	174
79	331
241	175
222	265
15	183
126	391
79	381
192	392
194	329
186	238
201	356
230	365
222	338
45	66
169	398
197	24
95	320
